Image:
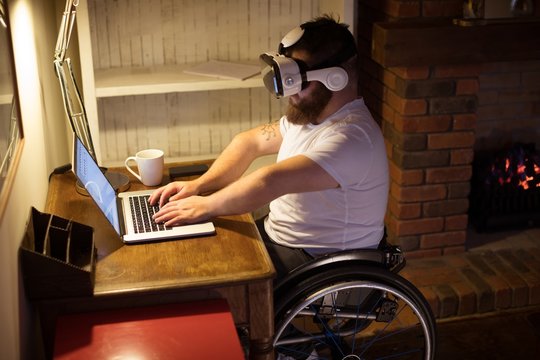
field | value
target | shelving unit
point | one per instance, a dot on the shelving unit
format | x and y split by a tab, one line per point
133	57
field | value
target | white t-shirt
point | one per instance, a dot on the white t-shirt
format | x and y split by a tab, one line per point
349	145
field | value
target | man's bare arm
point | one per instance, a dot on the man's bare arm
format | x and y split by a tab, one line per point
228	167
239	154
295	175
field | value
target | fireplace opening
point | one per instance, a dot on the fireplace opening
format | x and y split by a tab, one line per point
505	189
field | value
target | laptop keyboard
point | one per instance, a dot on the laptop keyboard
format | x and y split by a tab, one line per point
142	212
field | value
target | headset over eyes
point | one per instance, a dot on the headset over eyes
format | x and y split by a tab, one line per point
284	76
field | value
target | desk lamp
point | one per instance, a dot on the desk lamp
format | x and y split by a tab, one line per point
71	96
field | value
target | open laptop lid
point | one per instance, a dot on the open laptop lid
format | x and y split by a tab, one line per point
102	192
96	184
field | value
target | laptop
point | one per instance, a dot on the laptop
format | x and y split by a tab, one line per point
129	213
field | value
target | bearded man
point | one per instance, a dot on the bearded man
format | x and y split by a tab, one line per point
328	189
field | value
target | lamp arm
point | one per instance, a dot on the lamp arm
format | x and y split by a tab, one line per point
66	28
13	138
73	104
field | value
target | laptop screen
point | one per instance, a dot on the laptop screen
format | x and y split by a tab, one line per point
95	183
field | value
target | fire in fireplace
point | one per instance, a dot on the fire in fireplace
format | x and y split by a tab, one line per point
519	167
505	191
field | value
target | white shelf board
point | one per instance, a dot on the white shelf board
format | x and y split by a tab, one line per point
161	79
6	99
265	160
6	89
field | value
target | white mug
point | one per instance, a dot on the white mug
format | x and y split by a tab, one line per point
150	165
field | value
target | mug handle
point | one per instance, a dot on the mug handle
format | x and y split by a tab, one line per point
132	158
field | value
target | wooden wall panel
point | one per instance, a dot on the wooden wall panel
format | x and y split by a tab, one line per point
184	125
157	32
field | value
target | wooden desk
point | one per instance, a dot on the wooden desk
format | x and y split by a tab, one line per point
232	264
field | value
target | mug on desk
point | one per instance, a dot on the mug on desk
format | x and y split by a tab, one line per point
150	166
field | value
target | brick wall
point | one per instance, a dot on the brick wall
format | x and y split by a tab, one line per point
508	104
429	115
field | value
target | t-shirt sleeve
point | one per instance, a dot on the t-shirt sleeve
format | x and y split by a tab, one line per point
346	154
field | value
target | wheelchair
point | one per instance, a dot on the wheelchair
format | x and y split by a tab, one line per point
352	305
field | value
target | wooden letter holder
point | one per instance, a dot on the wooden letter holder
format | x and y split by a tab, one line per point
58	257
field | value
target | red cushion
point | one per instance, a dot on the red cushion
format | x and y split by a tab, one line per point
202	330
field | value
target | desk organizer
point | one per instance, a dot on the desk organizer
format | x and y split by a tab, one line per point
58	257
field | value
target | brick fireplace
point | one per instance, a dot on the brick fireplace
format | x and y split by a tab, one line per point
442	92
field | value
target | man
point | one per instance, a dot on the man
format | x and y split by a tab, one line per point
328	189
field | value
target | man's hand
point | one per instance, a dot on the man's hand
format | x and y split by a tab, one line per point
189	210
173	191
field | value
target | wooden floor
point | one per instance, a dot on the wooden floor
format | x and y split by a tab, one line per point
513	334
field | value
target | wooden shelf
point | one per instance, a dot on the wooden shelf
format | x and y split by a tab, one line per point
160	80
443	42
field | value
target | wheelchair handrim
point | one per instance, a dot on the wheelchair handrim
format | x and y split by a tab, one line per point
356	284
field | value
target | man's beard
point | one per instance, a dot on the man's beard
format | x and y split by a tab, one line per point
307	110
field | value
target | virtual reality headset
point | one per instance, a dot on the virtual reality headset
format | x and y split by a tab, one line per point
284	76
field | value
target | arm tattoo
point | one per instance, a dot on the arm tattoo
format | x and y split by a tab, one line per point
269	129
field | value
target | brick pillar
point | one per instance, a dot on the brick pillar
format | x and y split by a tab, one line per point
428	116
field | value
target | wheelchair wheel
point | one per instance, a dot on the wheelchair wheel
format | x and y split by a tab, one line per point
355	312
